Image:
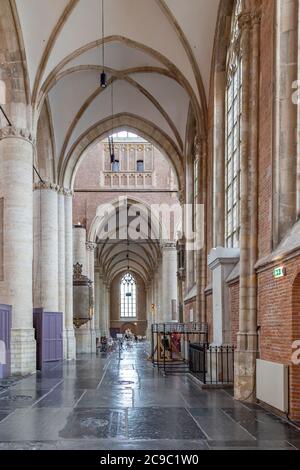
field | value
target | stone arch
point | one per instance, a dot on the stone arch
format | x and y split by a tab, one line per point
145	256
132	123
199	108
16	91
45	156
295	369
115	318
96	223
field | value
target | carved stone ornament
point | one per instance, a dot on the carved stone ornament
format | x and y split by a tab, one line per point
48	185
197	147
90	246
12	131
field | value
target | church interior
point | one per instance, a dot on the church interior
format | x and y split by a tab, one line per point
149	225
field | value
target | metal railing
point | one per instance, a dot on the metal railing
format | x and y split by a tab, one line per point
212	365
170	345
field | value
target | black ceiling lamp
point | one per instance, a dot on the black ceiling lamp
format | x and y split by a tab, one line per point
103	77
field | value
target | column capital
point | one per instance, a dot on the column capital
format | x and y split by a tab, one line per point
199	142
169	246
90	246
248	19
9	132
50	186
181	197
66	192
46	185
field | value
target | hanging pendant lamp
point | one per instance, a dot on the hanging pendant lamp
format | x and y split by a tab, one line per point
111	137
103	77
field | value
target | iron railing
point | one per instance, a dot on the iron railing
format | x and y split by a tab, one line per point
170	345
212	365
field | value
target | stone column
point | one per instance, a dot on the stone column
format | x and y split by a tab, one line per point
84	334
169	280
102	307
45	286
188	222
149	301
285	145
79	248
62	265
61	252
201	249
246	354
97	289
69	338
16	158
106	320
159	293
91	247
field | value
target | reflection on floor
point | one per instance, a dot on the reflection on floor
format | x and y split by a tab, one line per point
103	403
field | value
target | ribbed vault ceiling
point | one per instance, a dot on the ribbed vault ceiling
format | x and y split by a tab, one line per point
157	51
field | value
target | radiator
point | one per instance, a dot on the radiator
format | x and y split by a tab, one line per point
272	384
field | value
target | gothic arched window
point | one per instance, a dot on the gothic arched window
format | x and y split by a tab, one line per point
128	296
233	133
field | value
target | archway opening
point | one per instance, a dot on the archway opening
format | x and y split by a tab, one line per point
295	366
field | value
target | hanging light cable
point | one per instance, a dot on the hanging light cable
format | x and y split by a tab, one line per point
103	78
128	267
111	137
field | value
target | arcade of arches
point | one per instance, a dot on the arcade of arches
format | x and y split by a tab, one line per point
202	103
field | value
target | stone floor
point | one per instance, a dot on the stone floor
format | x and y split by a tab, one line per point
105	403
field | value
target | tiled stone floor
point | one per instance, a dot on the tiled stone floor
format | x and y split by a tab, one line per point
105	404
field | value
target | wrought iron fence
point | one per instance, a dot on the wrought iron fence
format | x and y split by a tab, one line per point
212	365
170	345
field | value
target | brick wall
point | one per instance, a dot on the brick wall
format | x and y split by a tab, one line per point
279	321
87	185
234	302
188	306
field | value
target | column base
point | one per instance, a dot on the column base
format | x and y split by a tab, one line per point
245	376
85	341
69	345
23	351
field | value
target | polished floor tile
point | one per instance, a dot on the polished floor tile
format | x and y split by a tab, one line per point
37	424
95	423
162	423
4	414
216	424
100	402
14	399
60	398
263	426
253	445
105	398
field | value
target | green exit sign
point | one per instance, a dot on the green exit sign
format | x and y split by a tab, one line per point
279	272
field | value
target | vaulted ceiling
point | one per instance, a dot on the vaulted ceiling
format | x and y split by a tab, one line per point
157	55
